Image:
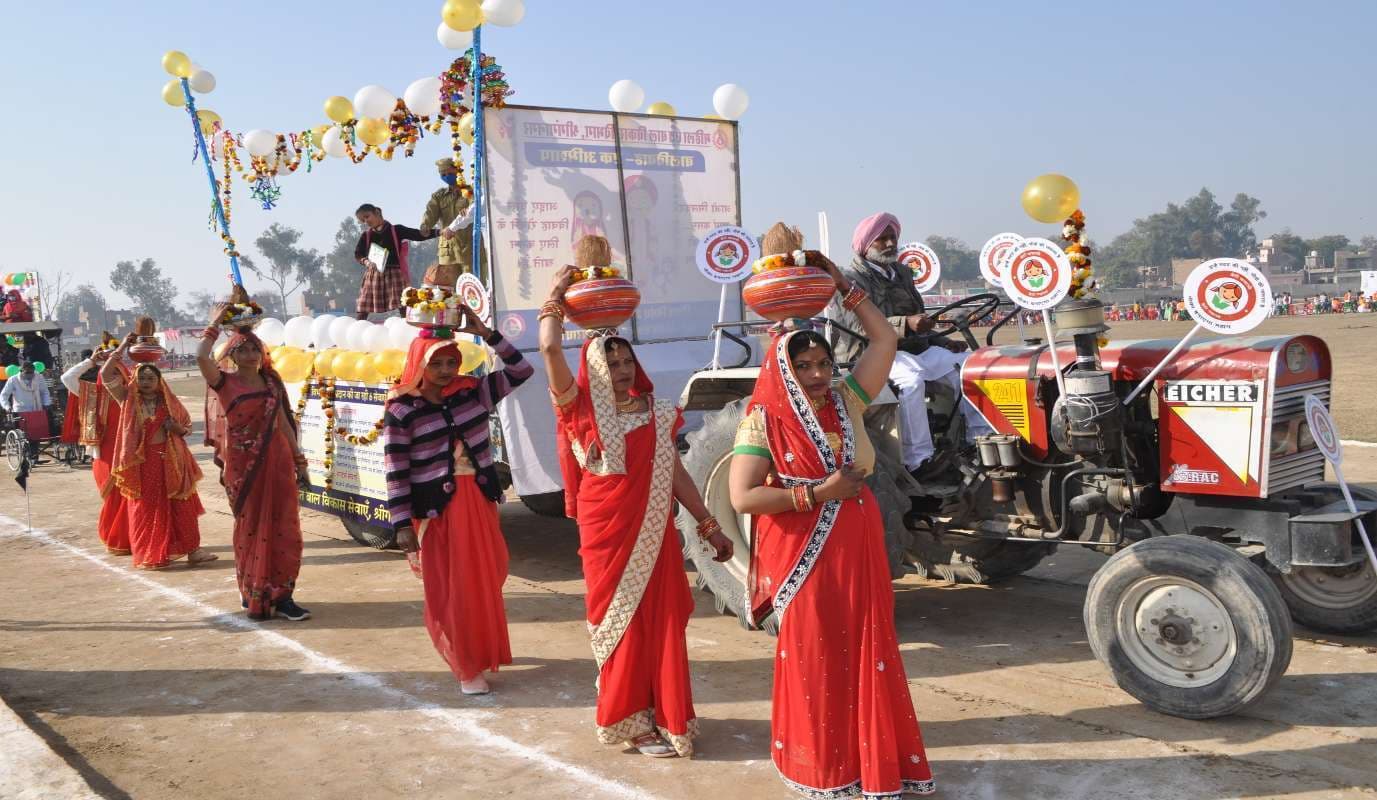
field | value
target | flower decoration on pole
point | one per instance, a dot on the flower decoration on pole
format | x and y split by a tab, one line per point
1078	253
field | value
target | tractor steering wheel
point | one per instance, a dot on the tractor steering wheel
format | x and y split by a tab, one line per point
985	305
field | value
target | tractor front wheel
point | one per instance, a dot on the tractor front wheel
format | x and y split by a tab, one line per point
1188	626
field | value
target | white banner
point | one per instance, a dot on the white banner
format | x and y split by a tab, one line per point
553	176
1369	284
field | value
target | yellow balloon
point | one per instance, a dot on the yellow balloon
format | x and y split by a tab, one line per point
344	365
318	134
466	128
472	355
325	363
661	109
389	364
339	109
365	369
173	94
177	64
294	367
462	15
209	119
373	131
1051	197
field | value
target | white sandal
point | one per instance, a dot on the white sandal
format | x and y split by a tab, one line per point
476	686
653	745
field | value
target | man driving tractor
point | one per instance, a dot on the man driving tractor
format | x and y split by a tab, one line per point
923	355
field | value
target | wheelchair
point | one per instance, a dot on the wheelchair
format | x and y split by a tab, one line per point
22	439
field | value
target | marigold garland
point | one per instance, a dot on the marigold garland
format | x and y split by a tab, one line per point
596	272
1078	253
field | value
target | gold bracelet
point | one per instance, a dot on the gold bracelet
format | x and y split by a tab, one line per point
707	527
854	298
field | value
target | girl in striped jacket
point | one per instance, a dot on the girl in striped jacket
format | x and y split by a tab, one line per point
443	492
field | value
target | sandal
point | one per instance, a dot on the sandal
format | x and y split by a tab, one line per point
200	556
653	745
475	686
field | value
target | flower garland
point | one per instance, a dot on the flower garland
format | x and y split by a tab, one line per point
325	390
240	312
798	258
589	273
1078	252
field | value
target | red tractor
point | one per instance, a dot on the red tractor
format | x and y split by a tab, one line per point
1206	491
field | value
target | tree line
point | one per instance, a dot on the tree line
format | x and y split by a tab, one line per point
283	267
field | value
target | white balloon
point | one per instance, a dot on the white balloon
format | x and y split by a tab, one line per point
503	13
202	81
354	338
452	39
333	142
401	335
376	340
626	96
730	101
260	142
339	327
374	101
320	331
297	332
423	97
271	331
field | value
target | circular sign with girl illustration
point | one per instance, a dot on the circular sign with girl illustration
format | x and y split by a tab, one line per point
1037	274
993	254
726	254
1322	429
1226	295
470	290
926	266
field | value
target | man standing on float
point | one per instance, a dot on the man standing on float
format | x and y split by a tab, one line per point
922	356
452	208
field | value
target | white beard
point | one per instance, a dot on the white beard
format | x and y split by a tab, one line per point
876	256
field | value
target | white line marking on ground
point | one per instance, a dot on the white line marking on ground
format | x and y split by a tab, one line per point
461	722
1356	443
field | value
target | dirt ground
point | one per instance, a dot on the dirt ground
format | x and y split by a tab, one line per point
154	685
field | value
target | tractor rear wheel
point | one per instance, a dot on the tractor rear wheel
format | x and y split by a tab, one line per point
1188	626
549	504
1340	600
374	536
961	559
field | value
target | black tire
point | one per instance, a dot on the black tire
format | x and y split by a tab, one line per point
1141	611
707	461
374	536
1340	600
980	561
549	504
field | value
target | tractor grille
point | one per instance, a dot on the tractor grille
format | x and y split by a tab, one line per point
1307	466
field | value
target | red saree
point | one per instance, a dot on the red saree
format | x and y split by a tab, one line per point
98	425
618	471
258	472
842	723
157	481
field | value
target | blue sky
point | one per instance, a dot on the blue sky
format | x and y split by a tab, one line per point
936	112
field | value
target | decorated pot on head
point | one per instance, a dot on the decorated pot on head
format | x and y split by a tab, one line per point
432	307
599	297
146	348
791	284
240	311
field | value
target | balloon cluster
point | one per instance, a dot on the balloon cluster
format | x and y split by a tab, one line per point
626	96
330	346
179	66
16	278
1078	252
13	369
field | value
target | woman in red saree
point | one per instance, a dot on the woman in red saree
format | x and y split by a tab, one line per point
843	723
93	421
621	475
152	467
250	426
443	490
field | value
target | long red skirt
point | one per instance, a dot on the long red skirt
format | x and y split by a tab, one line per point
843	722
267	531
113	526
464	564
645	684
161	530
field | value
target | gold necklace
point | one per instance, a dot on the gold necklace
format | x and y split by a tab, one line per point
628	405
818	403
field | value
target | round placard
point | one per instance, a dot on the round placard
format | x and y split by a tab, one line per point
1226	295
923	260
1322	429
1037	274
993	255
725	254
470	291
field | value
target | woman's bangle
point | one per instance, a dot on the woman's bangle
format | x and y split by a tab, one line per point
551	308
212	332
707	527
854	298
812	499
801	497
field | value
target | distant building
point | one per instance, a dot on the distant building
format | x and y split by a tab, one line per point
1151	277
1181	269
1354	260
1275	260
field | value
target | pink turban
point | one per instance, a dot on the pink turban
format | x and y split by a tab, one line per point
870	229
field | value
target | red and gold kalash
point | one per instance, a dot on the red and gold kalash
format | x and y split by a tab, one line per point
791	284
599	297
146	348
